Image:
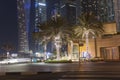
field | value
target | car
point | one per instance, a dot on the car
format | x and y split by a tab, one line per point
15	60
8	61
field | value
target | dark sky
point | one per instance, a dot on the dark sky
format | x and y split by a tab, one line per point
8	22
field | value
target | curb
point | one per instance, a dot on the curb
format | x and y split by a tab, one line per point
22	73
2	74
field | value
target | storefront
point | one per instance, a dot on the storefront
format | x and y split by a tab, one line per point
110	53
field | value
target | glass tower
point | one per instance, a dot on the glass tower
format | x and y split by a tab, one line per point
23	7
68	7
106	11
103	9
40	17
40	12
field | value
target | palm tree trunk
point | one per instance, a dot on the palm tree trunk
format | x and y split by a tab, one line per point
45	51
87	43
58	52
95	43
71	42
57	44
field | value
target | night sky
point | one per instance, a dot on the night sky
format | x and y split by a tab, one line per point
8	22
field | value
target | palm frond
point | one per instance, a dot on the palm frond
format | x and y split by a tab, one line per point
88	23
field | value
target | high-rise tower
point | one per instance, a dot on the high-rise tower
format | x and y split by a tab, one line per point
106	10
39	15
68	10
23	7
103	9
117	13
40	12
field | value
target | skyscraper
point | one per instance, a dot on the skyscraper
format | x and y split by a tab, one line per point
103	9
117	13
40	12
106	11
23	7
38	15
51	5
89	6
68	10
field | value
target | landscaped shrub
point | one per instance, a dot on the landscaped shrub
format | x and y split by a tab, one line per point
96	59
58	61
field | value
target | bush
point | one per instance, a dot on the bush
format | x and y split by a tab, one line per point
58	61
96	59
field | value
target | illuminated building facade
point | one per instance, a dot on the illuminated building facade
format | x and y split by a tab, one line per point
68	7
89	6
103	9
106	12
23	7
117	13
40	12
40	16
63	8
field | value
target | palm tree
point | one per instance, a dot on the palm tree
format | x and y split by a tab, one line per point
86	34
68	40
44	41
88	26
41	38
56	28
7	47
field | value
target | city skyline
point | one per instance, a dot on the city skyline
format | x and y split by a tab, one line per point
10	34
59	39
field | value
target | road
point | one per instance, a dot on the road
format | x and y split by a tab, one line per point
60	67
39	67
69	71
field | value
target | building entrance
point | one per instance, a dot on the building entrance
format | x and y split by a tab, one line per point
110	53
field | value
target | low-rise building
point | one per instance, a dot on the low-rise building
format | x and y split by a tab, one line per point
107	46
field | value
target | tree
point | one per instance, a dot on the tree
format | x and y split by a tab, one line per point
42	39
56	28
88	26
7	47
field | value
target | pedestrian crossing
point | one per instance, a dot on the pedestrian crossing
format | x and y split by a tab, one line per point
91	75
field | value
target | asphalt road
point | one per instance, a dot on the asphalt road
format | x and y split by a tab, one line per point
80	75
69	71
61	67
